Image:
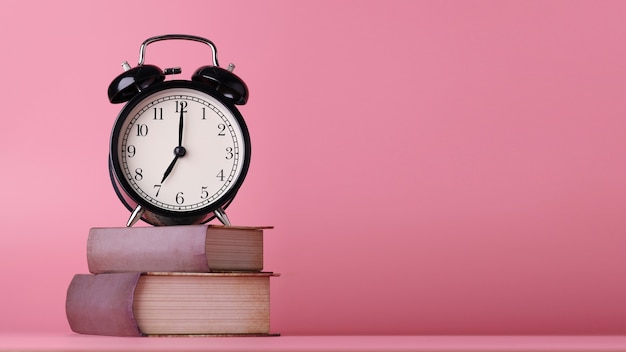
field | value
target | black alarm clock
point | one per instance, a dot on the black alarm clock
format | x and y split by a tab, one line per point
179	149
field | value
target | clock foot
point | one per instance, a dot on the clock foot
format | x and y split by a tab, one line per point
221	216
135	216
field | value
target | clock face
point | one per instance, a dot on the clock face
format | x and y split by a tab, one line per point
180	150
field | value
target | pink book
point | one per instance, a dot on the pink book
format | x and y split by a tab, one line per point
190	248
135	304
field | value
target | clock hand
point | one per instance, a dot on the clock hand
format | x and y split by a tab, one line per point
180	127
180	150
168	171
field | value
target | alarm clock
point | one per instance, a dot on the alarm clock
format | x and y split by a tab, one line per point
179	149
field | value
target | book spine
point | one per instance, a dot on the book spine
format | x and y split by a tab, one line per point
102	304
111	250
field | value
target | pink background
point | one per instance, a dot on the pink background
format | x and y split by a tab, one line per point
430	167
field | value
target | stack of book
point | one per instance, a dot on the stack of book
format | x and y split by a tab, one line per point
172	280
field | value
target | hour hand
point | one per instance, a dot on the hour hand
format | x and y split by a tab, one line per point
168	171
178	152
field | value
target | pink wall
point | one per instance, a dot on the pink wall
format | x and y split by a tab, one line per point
429	166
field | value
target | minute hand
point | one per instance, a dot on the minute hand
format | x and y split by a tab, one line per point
180	127
178	151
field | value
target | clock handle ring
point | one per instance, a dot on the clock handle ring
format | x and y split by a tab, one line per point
142	49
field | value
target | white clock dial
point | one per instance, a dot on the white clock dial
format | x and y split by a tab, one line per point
181	149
